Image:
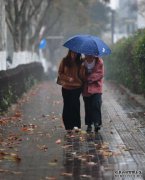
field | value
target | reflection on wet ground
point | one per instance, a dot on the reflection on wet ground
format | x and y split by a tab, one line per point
133	110
84	155
35	146
91	156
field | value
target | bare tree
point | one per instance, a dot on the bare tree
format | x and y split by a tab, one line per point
25	19
2	26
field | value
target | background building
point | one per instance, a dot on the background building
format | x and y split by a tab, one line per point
126	18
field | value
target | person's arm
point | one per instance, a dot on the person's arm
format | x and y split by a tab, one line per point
82	73
99	74
61	73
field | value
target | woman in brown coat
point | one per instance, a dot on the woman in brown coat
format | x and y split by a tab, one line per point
70	74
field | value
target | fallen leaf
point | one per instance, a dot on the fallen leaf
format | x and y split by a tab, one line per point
29	127
66	174
91	163
18	114
116	153
127	149
43	147
24	129
58	141
52	163
10	156
72	136
50	178
15	172
85	176
13	157
8	171
83	132
83	159
107	153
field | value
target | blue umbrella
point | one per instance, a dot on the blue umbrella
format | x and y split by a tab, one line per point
87	44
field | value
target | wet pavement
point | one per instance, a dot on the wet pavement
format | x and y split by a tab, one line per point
35	146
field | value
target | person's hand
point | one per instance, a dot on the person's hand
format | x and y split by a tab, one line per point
90	81
71	79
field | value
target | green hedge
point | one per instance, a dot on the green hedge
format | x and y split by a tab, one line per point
14	82
126	64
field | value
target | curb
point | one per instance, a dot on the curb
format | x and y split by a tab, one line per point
137	97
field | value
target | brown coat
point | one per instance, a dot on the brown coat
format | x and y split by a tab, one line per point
76	72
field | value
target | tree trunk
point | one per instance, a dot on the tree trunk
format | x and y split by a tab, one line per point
2	26
16	42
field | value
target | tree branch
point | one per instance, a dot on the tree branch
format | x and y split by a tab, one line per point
52	24
35	9
9	26
41	21
22	7
9	18
16	7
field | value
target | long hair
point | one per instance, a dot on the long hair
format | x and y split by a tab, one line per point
68	62
97	59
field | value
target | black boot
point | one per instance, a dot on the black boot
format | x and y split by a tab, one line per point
96	128
89	128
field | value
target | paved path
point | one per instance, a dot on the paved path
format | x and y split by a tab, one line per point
34	145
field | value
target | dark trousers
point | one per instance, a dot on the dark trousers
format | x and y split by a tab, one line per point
93	109
71	108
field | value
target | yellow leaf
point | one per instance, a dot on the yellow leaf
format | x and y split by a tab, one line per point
66	174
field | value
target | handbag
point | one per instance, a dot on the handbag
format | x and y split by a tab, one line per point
58	81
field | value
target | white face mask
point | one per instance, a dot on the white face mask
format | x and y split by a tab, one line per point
89	58
90	66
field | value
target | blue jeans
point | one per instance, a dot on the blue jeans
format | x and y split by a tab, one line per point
93	109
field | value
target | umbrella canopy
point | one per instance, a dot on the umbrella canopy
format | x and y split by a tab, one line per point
87	44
